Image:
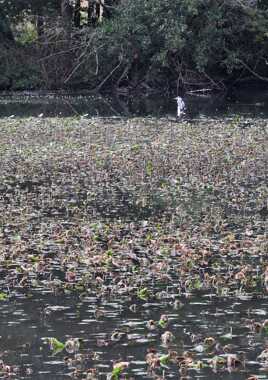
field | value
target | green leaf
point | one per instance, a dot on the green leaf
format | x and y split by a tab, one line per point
149	168
163	322
143	294
109	253
118	369
164	359
116	373
55	345
3	296
218	360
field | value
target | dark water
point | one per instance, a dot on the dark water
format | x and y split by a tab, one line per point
247	103
26	322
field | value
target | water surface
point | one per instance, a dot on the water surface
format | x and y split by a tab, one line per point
246	103
27	321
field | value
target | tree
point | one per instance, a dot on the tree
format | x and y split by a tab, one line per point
21	8
5	29
77	14
188	39
67	16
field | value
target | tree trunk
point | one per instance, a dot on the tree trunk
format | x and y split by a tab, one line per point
5	29
100	10
66	59
67	16
91	13
95	11
40	26
77	14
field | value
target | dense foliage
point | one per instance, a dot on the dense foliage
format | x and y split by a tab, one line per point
151	43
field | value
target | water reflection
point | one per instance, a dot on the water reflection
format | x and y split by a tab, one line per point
248	103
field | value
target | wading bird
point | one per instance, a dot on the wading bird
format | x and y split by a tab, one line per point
180	106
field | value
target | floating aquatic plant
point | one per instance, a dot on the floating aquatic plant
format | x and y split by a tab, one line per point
143	294
163	321
3	296
167	338
55	345
118	369
72	345
99	215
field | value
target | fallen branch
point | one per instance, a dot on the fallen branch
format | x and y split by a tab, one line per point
200	90
73	71
215	84
126	69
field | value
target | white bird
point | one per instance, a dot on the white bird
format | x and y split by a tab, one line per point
180	106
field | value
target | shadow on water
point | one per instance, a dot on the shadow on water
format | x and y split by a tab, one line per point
248	103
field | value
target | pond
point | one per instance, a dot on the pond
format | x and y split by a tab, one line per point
26	322
133	248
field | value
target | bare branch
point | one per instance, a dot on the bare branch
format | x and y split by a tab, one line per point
265	79
108	76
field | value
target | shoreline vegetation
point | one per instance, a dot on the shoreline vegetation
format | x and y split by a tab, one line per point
130	210
132	46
